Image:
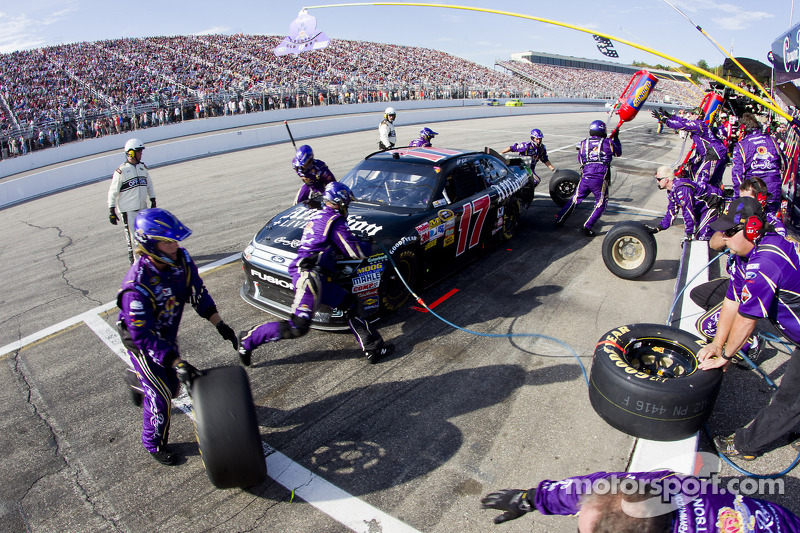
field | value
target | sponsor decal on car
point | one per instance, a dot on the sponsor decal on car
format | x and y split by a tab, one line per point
448	240
402	242
505	188
294	243
446	214
271	279
368	277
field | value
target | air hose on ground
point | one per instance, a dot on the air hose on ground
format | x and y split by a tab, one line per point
420	301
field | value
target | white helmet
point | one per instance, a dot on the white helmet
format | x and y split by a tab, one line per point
390	112
133	144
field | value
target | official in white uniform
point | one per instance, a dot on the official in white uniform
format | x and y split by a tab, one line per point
387	138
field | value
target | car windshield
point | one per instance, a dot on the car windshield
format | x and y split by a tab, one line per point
396	185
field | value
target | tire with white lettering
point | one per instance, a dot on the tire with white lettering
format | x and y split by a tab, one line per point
563	185
645	382
393	293
227	428
629	250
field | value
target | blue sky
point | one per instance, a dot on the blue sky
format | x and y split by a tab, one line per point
745	27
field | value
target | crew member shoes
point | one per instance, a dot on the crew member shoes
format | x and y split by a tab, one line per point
726	447
245	355
378	353
589	232
164	457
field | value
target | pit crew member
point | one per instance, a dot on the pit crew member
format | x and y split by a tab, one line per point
312	269
314	173
130	188
758	155
535	149
425	138
154	292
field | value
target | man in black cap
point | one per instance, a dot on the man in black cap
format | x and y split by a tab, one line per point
765	283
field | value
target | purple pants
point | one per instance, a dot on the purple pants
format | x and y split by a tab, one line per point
160	385
599	188
312	289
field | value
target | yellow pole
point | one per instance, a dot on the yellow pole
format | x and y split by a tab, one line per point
578	28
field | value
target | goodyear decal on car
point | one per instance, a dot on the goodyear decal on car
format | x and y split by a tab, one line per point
368	277
505	188
402	242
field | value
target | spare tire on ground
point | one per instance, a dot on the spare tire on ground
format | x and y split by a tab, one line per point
629	250
563	184
227	428
645	382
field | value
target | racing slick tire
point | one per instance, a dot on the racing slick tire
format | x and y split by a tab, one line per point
227	428
563	185
629	250
393	292
645	382
512	212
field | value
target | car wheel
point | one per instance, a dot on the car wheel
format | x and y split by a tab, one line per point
227	428
645	382
563	185
629	250
511	218
393	292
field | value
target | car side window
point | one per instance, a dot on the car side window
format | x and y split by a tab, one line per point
463	182
491	170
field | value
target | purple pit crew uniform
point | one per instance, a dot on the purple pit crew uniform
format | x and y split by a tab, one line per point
326	232
708	511
315	179
699	203
595	155
766	284
537	152
151	303
422	142
710	154
758	155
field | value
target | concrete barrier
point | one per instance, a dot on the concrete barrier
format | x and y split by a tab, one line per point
92	160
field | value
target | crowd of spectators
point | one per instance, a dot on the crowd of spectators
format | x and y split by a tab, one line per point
69	92
566	82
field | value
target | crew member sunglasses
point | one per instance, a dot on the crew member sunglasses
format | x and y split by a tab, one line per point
730	232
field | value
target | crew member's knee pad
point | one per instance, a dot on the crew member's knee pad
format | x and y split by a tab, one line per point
295	327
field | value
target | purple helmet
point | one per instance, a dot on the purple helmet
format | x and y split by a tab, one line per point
154	225
339	194
597	128
427	133
304	157
536	134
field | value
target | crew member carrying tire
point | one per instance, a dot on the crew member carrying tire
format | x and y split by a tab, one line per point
154	292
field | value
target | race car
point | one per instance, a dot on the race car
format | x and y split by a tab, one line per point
427	210
514	103
491	101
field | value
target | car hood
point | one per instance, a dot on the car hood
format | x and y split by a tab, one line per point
285	229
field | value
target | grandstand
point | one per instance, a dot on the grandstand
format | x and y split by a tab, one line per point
69	92
574	77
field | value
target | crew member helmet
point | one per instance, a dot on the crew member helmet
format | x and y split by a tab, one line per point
536	134
133	144
389	113
304	157
427	133
339	194
154	225
597	128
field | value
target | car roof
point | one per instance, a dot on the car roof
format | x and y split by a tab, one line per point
430	156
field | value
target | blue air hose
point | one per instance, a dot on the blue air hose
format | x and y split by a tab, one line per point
478	333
